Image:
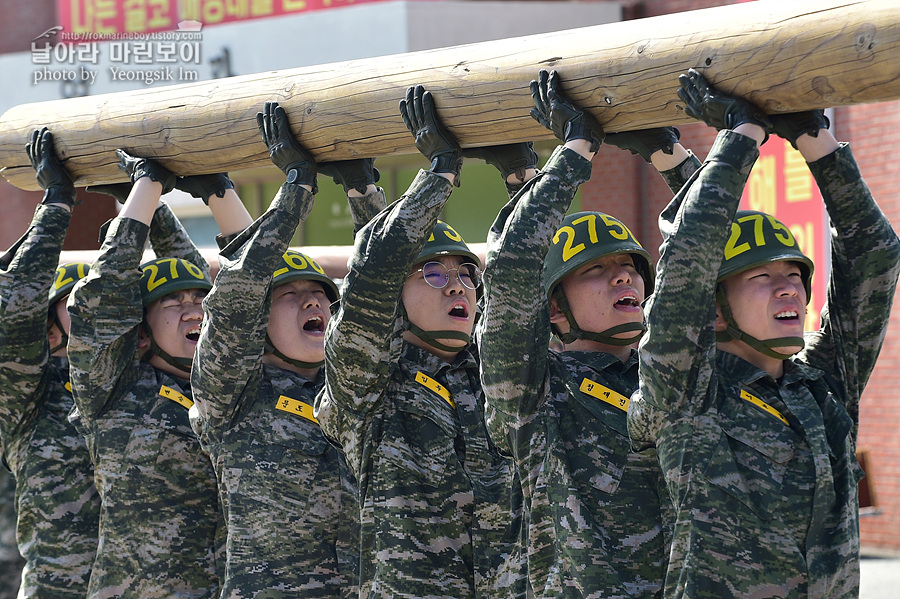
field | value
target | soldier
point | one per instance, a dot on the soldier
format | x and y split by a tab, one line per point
288	498
755	422
133	335
596	525
57	502
440	507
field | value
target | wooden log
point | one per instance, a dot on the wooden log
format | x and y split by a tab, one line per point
785	56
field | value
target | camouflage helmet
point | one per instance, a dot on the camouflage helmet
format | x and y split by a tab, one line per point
586	236
758	238
445	241
66	276
295	265
163	276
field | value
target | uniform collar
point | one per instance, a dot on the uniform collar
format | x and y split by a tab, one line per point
274	371
748	373
428	361
601	361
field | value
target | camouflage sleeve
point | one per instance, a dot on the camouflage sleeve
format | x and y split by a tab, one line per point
515	331
365	208
678	351
676	177
169	239
232	340
222	241
496	230
105	308
362	340
26	275
865	261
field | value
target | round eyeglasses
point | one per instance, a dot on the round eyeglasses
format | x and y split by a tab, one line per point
438	276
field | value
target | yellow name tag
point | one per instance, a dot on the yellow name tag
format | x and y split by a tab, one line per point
296	407
68	386
762	405
595	389
175	396
435	386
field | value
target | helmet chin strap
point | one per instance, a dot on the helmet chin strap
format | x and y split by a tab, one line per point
606	337
270	348
733	333
182	364
431	337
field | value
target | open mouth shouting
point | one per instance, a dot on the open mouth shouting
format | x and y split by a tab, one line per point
315	325
459	310
628	302
193	334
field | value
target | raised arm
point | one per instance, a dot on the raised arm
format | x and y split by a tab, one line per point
660	148
515	329
358	178
217	191
865	259
363	339
232	340
105	307
26	276
678	351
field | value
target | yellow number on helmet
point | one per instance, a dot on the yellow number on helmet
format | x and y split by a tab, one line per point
451	234
295	261
568	249
615	228
153	282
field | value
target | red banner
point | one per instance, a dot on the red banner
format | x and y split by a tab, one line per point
107	17
781	185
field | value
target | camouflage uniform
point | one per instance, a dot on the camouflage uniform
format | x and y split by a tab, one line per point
159	510
57	502
11	562
440	507
288	499
765	508
595	526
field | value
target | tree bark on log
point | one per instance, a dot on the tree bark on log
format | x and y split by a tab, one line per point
784	56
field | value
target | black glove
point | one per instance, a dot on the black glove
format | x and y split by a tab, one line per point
793	125
205	186
119	191
285	151
508	158
352	174
556	113
715	108
432	139
646	141
136	167
51	175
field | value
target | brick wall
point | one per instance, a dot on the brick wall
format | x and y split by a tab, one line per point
870	130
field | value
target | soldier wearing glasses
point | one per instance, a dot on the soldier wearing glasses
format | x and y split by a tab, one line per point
440	506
